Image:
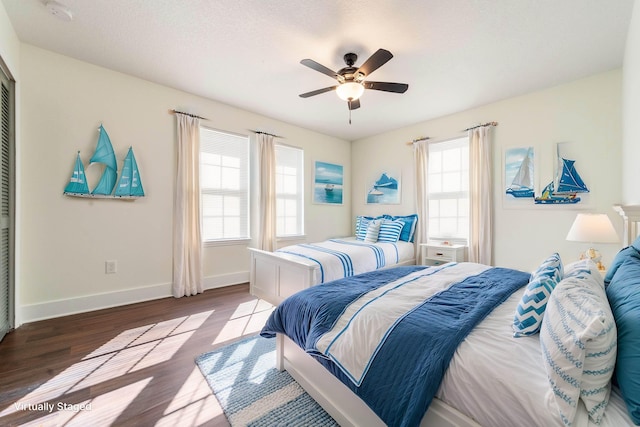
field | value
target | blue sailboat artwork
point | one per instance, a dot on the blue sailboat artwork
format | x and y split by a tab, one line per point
569	185
129	185
78	182
522	184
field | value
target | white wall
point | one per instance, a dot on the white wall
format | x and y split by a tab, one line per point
631	108
586	113
9	43
66	241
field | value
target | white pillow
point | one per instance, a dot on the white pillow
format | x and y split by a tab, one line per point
373	229
579	343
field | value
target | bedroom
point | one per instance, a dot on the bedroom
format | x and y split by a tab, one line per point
71	278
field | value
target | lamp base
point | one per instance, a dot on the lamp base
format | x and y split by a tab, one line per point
595	256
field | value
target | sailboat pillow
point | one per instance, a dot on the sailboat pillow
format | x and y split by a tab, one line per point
530	310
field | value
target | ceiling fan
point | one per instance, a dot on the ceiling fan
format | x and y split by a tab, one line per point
351	80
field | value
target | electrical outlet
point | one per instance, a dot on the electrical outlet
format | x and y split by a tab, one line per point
110	266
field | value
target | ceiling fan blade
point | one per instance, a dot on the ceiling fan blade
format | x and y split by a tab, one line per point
317	91
375	61
319	67
387	87
354	104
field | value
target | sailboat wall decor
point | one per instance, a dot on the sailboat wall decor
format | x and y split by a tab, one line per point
566	185
129	186
522	183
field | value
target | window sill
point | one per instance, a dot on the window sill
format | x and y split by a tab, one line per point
291	238
225	242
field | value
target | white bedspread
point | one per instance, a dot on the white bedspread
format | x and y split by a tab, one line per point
338	258
362	328
515	384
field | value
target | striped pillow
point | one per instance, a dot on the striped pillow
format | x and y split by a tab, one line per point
372	231
390	231
530	310
578	340
409	229
362	222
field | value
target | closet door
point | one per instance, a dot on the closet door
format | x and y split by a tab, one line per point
7	185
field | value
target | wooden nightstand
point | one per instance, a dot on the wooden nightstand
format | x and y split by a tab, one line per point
435	254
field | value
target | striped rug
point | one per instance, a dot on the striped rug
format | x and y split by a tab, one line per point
252	392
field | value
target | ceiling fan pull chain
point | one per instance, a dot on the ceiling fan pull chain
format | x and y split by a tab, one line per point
349	110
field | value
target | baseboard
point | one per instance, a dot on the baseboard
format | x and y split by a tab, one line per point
65	307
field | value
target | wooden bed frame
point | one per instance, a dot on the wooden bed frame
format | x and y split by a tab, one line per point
273	277
347	408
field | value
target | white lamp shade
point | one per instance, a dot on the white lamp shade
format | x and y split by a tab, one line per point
592	228
350	91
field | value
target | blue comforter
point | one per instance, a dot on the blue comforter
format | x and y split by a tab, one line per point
407	370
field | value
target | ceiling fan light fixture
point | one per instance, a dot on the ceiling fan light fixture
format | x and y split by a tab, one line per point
350	91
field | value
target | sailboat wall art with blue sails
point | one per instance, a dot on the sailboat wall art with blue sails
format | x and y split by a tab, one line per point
569	184
129	186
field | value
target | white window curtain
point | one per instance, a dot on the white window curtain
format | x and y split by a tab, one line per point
187	234
421	162
267	230
480	196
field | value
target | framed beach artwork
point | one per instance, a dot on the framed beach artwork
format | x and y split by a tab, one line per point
328	180
384	189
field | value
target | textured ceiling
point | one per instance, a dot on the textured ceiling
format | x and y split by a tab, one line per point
454	54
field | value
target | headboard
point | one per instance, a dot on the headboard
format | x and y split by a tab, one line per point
631	217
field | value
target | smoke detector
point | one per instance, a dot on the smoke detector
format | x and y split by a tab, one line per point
59	10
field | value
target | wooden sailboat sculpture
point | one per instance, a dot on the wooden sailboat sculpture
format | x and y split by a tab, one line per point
569	184
522	184
129	185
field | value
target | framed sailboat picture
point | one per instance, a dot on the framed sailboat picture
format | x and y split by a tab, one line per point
519	173
519	177
328	179
384	189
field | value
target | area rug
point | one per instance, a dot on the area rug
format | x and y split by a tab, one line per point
252	392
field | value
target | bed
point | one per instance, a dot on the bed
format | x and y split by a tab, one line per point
491	377
380	242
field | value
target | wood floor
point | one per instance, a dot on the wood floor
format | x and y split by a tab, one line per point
125	366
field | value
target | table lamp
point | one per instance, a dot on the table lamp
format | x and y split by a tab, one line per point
592	228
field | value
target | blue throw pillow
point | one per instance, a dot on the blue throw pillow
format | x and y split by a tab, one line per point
626	253
624	297
409	229
533	303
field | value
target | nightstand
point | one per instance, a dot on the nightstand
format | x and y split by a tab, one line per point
435	254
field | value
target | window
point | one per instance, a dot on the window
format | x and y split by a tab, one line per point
448	178
224	185
289	191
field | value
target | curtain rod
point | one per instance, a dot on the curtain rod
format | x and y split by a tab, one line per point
187	114
479	126
422	138
265	133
